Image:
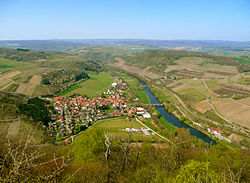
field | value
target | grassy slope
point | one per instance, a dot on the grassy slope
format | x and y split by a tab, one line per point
97	84
167	124
116	127
13	65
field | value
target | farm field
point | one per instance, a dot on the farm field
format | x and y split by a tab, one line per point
228	53
202	106
28	88
223	88
188	63
6	80
10	65
233	111
245	101
92	87
142	72
117	126
244	60
191	96
41	90
198	67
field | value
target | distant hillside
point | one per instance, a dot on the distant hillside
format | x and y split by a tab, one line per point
159	60
65	44
22	55
47	45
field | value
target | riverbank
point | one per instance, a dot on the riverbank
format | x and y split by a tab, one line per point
175	121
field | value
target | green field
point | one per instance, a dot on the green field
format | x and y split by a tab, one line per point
191	95
244	60
117	126
70	89
167	124
94	86
13	65
41	90
139	92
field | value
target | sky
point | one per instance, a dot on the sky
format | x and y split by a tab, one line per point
125	19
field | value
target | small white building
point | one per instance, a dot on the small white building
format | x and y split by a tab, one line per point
114	84
140	111
146	115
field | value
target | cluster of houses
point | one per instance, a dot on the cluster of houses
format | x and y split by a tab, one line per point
74	114
217	132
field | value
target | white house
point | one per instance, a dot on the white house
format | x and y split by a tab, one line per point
146	115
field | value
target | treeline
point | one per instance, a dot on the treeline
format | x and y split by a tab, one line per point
13	106
97	156
100	157
36	109
82	75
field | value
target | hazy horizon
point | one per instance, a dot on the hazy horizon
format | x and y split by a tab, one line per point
121	39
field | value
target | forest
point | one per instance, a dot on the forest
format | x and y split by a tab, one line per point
96	156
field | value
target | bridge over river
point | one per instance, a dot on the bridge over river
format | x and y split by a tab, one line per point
153	105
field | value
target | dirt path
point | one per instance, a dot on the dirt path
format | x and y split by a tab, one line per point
209	89
142	72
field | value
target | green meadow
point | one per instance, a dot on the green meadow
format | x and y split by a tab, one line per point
97	84
13	65
141	94
116	127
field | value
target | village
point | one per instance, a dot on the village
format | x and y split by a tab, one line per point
74	114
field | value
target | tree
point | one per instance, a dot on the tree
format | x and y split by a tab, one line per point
196	171
89	145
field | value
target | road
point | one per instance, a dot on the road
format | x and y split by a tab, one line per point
230	124
152	130
209	89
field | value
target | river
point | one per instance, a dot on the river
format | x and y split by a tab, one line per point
174	120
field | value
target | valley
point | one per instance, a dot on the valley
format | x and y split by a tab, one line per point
163	99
